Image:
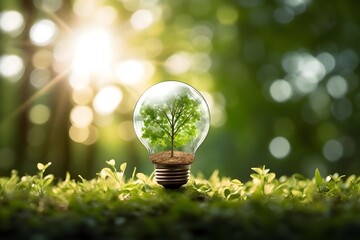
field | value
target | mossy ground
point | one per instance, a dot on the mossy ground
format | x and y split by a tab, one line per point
111	207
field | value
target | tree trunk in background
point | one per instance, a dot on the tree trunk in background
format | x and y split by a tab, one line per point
58	149
25	88
59	140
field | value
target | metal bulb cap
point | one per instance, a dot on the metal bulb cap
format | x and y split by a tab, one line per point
172	176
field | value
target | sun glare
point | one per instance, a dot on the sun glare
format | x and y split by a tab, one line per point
92	53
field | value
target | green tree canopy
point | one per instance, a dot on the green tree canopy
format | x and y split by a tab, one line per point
171	122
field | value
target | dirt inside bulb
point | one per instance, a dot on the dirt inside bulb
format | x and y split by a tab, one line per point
178	158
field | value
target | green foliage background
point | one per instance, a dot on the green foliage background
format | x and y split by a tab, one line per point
240	47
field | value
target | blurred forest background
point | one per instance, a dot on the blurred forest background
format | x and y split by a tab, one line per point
280	77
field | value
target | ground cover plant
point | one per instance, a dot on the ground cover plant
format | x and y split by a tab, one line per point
110	206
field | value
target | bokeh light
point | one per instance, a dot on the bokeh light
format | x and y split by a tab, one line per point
43	32
333	150
227	15
200	63
87	135
327	60
39	114
39	77
133	71
82	96
279	147
107	100
84	8
141	19
337	86
79	134
126	130
11	22
280	90
11	67
49	5
178	63
42	58
201	36
81	116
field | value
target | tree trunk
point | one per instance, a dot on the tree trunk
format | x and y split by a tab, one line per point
172	136
172	140
172	147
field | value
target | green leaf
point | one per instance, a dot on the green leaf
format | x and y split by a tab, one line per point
270	177
123	167
268	188
142	177
40	166
254	176
107	172
111	162
48	179
318	178
296	193
43	167
133	174
257	170
236	182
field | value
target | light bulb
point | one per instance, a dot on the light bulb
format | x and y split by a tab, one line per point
171	119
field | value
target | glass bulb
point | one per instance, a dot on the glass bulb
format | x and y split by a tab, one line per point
171	119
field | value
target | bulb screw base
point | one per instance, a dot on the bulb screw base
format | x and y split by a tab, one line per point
172	176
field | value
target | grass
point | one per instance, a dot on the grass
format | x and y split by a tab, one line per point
112	207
